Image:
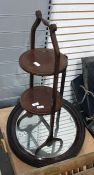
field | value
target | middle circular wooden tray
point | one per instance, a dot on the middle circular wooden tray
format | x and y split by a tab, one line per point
38	100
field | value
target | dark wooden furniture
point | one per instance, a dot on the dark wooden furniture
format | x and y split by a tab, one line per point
37	140
44	100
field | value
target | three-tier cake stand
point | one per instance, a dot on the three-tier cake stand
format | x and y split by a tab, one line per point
43	100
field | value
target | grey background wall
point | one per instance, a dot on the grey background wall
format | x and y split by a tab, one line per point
16	19
75	35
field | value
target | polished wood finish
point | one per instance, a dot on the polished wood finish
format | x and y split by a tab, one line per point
42	62
46	60
41	95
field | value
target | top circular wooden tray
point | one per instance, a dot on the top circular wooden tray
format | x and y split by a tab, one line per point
41	61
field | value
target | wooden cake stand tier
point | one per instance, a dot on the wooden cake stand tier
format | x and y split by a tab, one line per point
38	100
41	62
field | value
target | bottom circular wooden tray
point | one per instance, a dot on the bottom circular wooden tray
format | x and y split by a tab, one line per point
38	100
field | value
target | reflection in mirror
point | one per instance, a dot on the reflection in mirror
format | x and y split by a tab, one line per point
32	131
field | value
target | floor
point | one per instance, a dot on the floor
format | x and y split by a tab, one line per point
24	169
